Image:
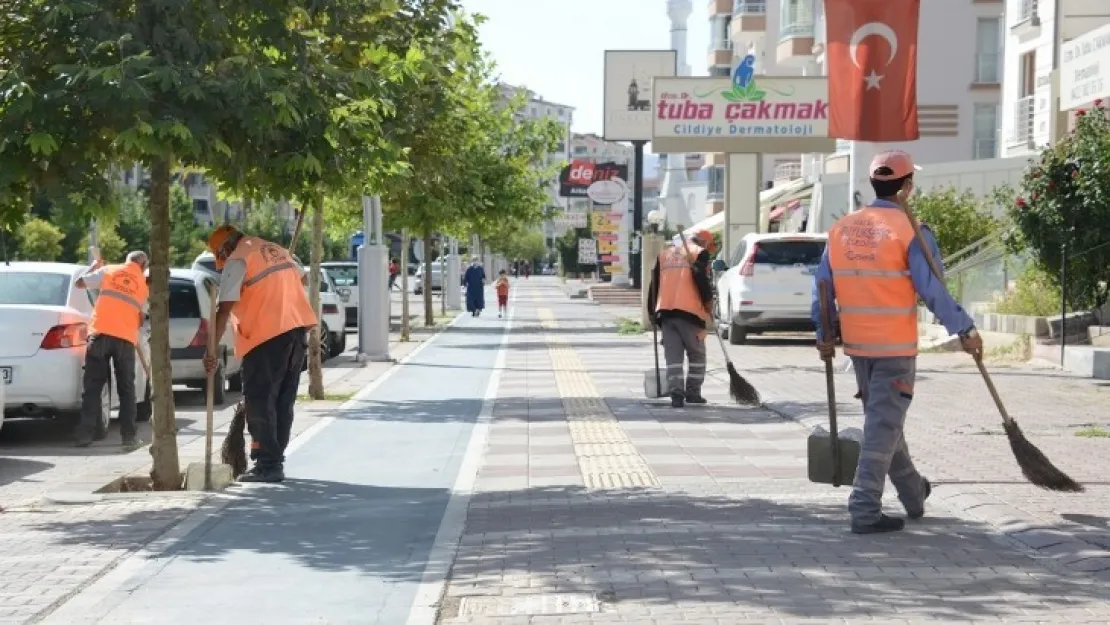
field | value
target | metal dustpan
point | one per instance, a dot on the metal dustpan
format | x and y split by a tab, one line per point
832	459
655	380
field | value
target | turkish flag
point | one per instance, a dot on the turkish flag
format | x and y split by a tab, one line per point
872	63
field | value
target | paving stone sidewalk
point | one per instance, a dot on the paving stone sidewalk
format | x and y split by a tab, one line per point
50	550
594	505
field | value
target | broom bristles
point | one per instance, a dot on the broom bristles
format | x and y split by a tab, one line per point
741	390
1036	467
233	452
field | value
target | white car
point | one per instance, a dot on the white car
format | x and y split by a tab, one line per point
44	324
438	267
332	311
190	307
767	284
344	274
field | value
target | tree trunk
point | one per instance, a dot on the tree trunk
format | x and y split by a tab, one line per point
166	471
405	329
443	272
315	351
429	310
247	206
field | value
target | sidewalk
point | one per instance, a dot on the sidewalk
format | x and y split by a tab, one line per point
59	537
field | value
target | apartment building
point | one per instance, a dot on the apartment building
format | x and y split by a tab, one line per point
960	46
1033	30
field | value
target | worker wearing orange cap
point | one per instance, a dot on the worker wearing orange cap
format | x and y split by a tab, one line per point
680	299
875	268
261	292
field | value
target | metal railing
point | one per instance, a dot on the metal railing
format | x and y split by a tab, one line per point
720	44
798	19
788	171
1023	119
749	7
1027	10
983	272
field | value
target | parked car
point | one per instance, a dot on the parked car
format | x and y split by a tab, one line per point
436	281
190	306
332	311
767	284
44	324
345	276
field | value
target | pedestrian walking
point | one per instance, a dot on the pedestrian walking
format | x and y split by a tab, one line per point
502	287
394	271
680	299
475	280
876	270
261	293
113	338
527	269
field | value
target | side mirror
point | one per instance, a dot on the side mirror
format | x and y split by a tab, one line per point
719	265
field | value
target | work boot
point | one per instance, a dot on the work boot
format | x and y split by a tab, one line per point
884	524
269	475
917	514
131	444
695	398
677	400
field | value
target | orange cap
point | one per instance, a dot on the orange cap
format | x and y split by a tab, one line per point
892	165
706	238
216	241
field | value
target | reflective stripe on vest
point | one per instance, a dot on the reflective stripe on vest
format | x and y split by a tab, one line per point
119	307
273	299
677	289
869	259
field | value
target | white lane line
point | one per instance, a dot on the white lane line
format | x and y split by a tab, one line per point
105	593
425	605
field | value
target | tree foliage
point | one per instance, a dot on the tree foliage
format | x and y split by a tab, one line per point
40	240
1065	198
956	219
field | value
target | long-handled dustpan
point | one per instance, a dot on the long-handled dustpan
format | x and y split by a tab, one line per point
831	458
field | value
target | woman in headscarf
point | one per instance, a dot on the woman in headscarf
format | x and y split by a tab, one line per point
475	280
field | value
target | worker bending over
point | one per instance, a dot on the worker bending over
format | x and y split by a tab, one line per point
875	270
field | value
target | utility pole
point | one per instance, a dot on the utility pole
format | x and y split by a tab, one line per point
637	256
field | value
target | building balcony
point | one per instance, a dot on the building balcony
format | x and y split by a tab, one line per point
1027	20
748	17
749	7
797	33
988	68
1023	118
720	7
787	171
720	53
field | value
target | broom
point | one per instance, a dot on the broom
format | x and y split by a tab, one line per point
741	391
233	452
1035	466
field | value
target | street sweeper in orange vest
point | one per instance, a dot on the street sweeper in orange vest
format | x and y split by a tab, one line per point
875	270
680	301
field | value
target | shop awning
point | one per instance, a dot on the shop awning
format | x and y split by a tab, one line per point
782	210
796	190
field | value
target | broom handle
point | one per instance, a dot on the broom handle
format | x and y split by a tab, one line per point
297	229
830	384
655	347
977	357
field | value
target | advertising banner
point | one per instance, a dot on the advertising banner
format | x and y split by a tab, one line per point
576	179
765	115
587	252
628	76
1085	69
568	219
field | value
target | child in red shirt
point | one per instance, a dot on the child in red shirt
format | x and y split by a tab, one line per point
502	286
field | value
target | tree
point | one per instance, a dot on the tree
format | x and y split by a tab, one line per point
40	240
520	243
1064	206
113	248
956	219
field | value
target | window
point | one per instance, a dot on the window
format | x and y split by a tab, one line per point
721	71
561	147
344	276
789	252
988	47
34	289
985	130
1028	76
183	300
716	186
580	149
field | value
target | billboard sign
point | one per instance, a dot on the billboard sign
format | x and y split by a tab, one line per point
576	178
1085	69
567	219
587	252
628	97
765	115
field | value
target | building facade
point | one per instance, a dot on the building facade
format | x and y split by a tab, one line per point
960	74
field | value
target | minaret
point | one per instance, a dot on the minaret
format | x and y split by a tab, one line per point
670	194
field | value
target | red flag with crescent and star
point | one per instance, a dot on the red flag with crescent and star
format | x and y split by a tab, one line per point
872	63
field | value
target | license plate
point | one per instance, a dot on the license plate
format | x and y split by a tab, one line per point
6	374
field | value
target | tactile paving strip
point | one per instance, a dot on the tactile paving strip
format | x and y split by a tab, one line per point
606	456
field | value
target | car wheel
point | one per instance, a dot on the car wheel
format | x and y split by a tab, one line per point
219	386
105	407
235	382
723	321
737	335
325	343
338	343
145	408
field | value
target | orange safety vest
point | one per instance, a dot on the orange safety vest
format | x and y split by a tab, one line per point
119	308
273	299
869	258
677	289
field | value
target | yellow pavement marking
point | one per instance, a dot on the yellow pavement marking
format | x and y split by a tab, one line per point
606	456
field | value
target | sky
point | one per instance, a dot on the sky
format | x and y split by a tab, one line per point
557	48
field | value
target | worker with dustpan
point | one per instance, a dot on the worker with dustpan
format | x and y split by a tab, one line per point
680	301
875	270
262	294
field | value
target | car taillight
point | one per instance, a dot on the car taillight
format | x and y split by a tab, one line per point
200	339
63	336
331	309
748	268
